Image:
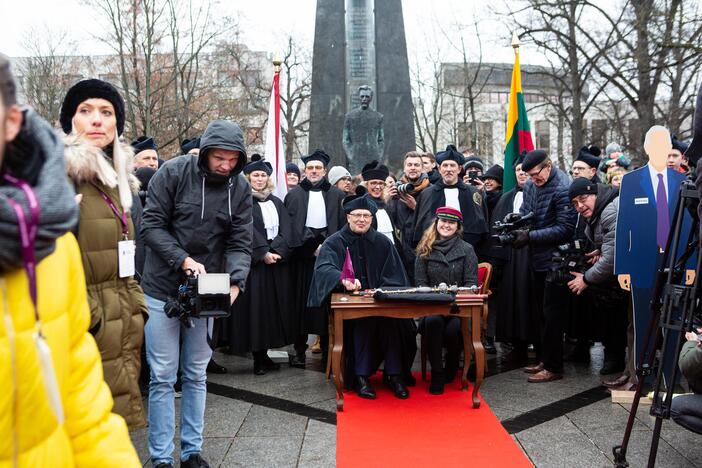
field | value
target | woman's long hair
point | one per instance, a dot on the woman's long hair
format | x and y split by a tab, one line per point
429	237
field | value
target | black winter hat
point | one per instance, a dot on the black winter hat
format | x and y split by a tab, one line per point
679	145
533	159
450	154
258	164
496	172
474	162
582	186
89	89
144	174
359	202
317	155
589	155
144	143
189	144
291	167
375	171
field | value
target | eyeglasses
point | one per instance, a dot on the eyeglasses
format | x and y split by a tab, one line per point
360	216
536	174
345	179
376	183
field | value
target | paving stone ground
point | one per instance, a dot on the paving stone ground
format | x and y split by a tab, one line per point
275	420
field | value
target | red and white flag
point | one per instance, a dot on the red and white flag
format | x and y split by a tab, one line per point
274	153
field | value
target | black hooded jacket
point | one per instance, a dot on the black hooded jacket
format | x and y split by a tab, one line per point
192	212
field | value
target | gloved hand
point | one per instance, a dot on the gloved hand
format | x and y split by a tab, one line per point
521	238
511	217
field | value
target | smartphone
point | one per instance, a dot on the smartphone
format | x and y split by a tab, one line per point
472	176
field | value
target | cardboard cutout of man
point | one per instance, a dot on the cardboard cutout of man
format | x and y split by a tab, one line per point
647	201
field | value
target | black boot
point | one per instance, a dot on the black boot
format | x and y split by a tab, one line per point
214	368
258	368
268	363
436	387
489	345
364	388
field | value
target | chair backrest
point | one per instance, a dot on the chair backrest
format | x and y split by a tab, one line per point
484	277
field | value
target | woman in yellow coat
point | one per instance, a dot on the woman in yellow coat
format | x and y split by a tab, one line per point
55	408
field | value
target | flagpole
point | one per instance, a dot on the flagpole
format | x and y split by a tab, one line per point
515	43
276	92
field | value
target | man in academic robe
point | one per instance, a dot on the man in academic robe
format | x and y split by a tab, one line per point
450	191
315	208
375	264
586	164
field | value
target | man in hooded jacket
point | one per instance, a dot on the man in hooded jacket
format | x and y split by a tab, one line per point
197	217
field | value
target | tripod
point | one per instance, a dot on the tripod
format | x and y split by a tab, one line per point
673	308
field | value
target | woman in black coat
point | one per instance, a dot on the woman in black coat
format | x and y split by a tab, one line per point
444	257
263	316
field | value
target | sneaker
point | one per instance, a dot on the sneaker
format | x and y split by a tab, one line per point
164	465
194	461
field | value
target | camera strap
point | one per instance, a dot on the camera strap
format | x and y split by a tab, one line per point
28	233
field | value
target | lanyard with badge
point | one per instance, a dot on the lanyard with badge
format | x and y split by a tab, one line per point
28	233
125	247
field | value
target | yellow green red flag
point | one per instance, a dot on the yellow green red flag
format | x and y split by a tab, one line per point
518	133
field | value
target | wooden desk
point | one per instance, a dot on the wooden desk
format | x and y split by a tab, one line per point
347	307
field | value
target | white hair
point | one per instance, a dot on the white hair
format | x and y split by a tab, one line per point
655	129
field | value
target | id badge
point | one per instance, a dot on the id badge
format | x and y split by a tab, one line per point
125	253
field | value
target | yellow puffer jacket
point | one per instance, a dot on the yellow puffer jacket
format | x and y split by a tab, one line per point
30	435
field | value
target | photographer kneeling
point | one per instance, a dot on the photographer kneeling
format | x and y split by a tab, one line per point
198	217
686	410
599	204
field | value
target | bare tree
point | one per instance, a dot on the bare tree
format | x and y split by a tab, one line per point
160	46
47	71
428	102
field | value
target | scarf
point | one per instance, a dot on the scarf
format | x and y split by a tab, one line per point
445	245
38	147
262	195
420	183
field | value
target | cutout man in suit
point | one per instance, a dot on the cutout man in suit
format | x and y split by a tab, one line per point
647	200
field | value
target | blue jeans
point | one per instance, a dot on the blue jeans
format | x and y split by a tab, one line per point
162	353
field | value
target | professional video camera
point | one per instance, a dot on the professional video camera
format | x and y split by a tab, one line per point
513	222
205	295
569	257
409	188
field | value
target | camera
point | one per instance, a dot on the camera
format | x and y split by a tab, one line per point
505	229
206	295
568	257
409	188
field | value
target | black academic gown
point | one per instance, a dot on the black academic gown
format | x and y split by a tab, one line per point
376	264
264	315
296	202
516	320
473	208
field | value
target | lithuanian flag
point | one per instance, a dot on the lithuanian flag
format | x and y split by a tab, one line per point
518	133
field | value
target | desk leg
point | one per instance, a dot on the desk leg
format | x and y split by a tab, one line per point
466	352
479	354
336	359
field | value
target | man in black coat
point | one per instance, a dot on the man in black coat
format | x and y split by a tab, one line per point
546	195
375	264
402	205
315	208
450	191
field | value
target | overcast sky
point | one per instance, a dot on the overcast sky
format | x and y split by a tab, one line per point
265	24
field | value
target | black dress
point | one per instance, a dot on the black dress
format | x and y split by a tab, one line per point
264	315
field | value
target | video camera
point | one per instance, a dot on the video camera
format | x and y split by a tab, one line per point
409	188
569	257
205	295
513	222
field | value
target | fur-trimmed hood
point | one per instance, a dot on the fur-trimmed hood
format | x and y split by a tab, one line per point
88	164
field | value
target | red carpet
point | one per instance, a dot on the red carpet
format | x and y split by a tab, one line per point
424	430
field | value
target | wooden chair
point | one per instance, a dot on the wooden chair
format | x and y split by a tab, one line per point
484	277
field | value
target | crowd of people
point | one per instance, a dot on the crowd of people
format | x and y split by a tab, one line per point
114	240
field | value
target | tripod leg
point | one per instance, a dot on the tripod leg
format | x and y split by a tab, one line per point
655	438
